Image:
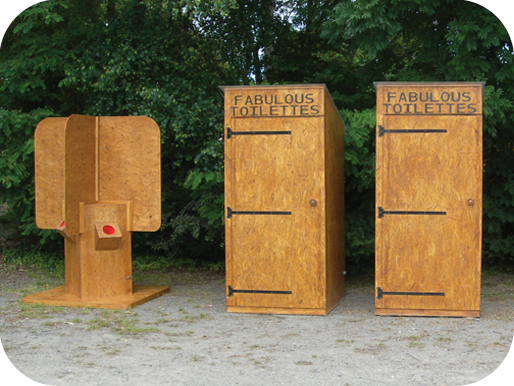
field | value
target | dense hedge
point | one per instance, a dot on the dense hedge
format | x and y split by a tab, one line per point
166	59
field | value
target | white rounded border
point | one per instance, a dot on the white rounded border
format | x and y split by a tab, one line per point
503	375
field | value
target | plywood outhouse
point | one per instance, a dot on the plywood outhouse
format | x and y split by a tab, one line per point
428	198
284	200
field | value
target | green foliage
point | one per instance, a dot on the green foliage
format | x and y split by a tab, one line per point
17	168
359	187
165	59
51	262
446	40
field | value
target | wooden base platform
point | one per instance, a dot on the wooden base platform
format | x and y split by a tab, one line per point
281	311
409	312
58	297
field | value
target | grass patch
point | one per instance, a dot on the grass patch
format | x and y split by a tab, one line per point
49	262
128	326
186	333
38	311
414	341
193	318
120	322
304	363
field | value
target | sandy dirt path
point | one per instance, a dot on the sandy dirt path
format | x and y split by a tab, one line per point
186	338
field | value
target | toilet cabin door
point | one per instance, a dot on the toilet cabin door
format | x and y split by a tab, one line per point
274	207
429	200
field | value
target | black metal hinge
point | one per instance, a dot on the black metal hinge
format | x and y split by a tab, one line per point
381	293
232	291
382	212
231	133
382	131
231	212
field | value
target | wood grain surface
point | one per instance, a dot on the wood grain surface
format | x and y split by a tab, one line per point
439	171
79	168
130	168
280	164
49	172
93	173
60	297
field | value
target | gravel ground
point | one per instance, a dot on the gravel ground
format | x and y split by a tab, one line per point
186	338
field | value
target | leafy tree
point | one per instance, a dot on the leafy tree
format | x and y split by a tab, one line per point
126	57
445	40
166	58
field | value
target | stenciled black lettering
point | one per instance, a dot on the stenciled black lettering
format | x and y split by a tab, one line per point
397	108
461	108
237	98
402	98
450	107
408	105
413	97
289	99
304	109
391	95
421	97
273	110
315	109
386	105
445	97
466	96
472	108
243	111
248	100
309	98
258	99
234	111
429	108
296	97
432	99
455	98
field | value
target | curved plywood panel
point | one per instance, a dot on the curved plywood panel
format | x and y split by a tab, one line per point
79	168
130	167
49	172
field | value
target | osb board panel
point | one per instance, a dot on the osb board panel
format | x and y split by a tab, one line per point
334	185
59	297
105	273
274	101
278	311
73	265
276	252
459	98
429	172
428	312
49	172
269	256
130	168
79	168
